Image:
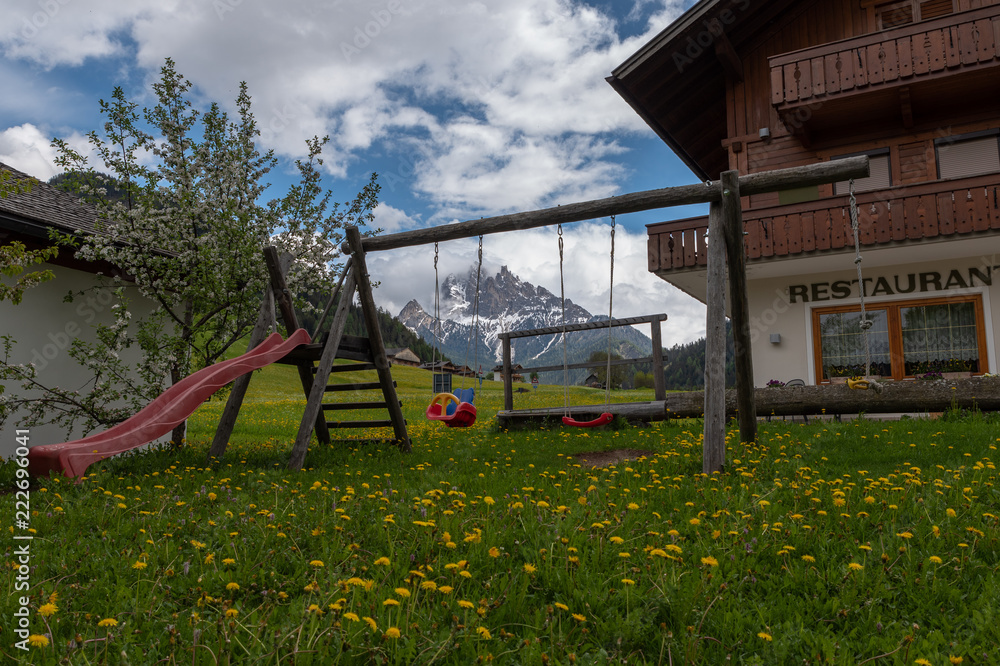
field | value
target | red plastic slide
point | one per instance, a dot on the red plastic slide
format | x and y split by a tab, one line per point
160	416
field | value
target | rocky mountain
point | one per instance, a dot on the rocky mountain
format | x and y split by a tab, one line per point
507	303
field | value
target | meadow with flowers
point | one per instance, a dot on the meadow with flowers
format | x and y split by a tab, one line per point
822	543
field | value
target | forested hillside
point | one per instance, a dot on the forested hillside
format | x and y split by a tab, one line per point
685	364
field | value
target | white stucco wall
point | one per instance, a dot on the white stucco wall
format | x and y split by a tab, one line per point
776	306
43	326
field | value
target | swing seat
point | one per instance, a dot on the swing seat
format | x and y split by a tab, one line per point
463	416
464	395
603	419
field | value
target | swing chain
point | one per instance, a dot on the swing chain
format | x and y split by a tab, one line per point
562	302
865	323
611	301
437	314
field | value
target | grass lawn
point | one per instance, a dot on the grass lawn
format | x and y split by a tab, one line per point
828	543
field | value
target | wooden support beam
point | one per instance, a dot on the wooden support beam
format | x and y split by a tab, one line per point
265	320
728	57
587	366
587	326
756	183
508	379
659	381
370	314
714	444
283	299
633	411
739	309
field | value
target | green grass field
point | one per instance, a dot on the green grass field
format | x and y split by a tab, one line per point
828	543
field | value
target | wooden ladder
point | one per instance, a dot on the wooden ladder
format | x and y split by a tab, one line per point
315	361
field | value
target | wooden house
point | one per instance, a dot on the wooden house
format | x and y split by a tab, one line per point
45	324
403	356
915	85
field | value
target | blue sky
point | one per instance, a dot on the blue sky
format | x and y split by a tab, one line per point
465	109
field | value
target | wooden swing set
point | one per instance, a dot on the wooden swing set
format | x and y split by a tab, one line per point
725	230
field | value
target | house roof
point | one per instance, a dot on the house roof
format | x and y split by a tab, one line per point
677	81
34	213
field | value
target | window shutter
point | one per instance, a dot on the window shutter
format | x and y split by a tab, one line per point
971	157
879	179
895	14
935	9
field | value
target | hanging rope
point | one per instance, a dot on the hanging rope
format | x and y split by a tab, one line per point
865	323
473	341
562	303
437	315
611	302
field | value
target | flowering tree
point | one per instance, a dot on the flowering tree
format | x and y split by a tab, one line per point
187	230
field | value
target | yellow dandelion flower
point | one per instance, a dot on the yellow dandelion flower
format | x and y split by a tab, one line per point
922	662
855	566
710	561
382	562
232	587
209	558
694	521
934	559
529	568
657	552
231	613
625	554
393	633
317	563
352	617
951	513
905	535
228	561
314	608
108	622
445	589
489	500
402	592
465	574
579	618
428	585
808	558
766	636
628	581
139	565
370	622
466	604
560	606
484	633
38	640
494	552
390	602
47	610
955	660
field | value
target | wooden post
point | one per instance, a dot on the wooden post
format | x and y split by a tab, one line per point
659	383
739	309
235	401
314	400
284	301
508	377
370	313
714	447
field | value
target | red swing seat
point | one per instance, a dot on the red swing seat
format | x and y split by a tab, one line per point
601	420
463	416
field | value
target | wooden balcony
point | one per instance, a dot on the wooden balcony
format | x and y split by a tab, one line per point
906	76
900	214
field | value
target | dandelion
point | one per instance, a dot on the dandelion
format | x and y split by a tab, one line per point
352	617
38	640
231	613
382	562
494	552
232	587
808	558
47	610
710	561
402	592
905	535
108	622
467	605
228	562
922	662
955	660
314	608
139	564
579	618
628	581
854	566
317	563
657	552
934	559
428	585
392	632
766	636
694	521
370	622
489	501
951	513
529	568
617	540
484	633
209	558
390	602
560	606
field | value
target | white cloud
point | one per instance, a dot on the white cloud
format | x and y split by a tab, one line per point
27	149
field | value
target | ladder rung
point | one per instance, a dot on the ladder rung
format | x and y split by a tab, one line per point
352	355
362	386
351	367
354	405
359	424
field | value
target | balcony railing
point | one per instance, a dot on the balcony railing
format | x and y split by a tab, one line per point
909	213
902	56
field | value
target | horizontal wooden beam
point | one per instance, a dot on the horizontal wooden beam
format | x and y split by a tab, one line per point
588	326
683	195
586	366
633	411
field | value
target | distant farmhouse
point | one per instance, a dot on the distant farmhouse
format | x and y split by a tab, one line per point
44	324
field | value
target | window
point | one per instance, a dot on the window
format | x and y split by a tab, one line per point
895	14
880	173
968	155
907	338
